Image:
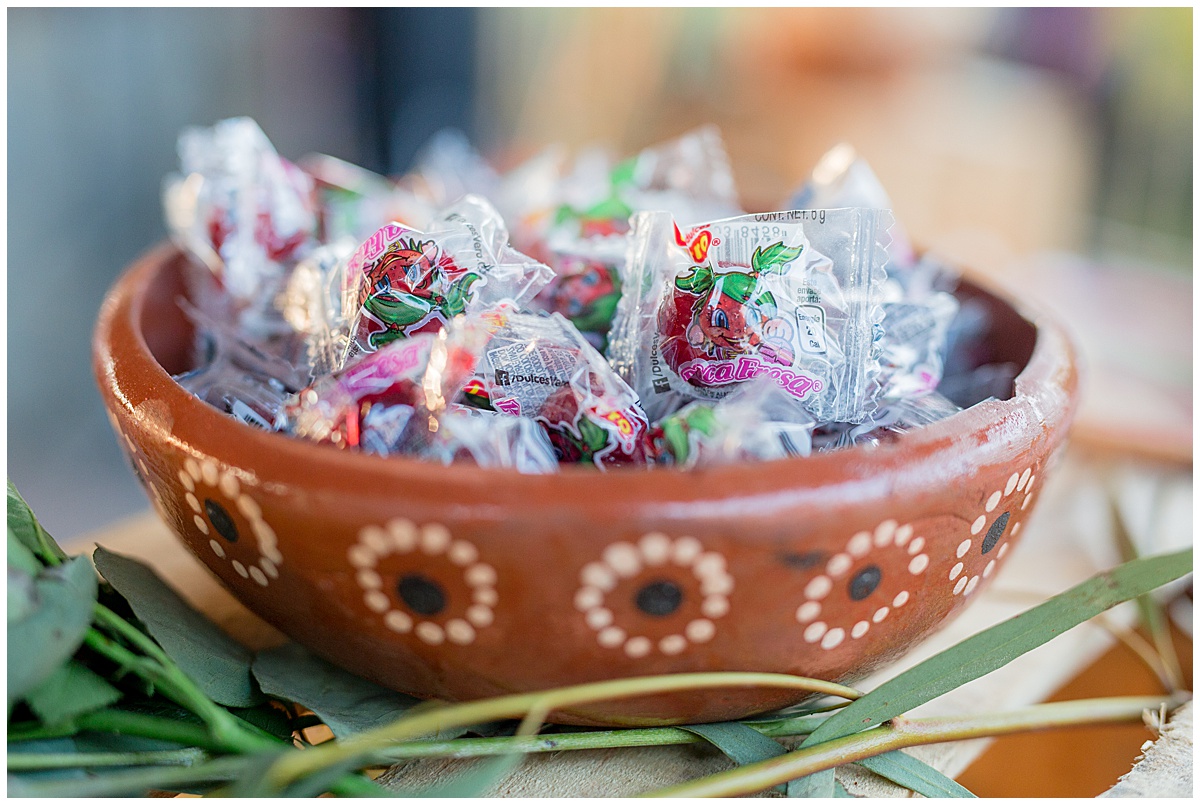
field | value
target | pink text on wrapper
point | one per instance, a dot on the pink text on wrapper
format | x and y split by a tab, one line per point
716	373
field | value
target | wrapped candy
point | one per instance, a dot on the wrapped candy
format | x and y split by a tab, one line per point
842	178
489	439
540	367
353	202
239	207
793	295
888	423
447	168
758	422
313	304
405	282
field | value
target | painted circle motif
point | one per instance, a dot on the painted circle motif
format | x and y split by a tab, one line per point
231	520
856	573
660	594
423	581
138	465
976	556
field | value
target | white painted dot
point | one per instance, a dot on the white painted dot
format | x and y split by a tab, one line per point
901	599
480	615
963	547
979	523
623	558
269	567
430	633
1029	486
193	502
700	630
1024	478
815	631
611	637
954	571
884	532
241	569
915	546
376	601
818	588
971	585
480	575
1016	527
229	485
271	551
485	596
710	564
598	618
839	564
216	548
200	524
208	471
588	597
259	577
672	644
361	556
686	550
403	534
717	585
1011	485
376	539
860	629
918	564
808	610
637	647
1025	502
958	587
833	638
903	533
459	632
250	510
993	501
192	468
369	580
435	538
398	621
462	553
187	481
1003	550
991	565
714	606
859	544
880	614
656	548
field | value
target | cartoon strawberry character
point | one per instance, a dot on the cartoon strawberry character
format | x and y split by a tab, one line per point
592	430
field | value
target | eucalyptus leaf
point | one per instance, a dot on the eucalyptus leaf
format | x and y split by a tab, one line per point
819	785
22	600
63	597
997	646
216	662
20	557
740	743
915	775
268	718
45	746
477	781
348	704
72	690
840	792
29	531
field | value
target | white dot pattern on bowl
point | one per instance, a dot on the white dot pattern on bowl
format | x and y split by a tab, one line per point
997	520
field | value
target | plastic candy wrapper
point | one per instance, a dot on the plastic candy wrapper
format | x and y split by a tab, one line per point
916	323
314	305
489	439
793	295
408	282
353	202
239	207
758	422
447	168
842	178
887	424
578	223
540	367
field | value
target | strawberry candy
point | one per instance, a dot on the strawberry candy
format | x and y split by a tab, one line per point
407	282
793	295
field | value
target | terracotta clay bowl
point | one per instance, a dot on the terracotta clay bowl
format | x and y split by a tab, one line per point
459	583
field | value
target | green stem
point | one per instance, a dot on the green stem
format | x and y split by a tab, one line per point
532	706
136	780
902	733
163	757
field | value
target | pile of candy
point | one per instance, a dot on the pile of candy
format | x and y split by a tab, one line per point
569	311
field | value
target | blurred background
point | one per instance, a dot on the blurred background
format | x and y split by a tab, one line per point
1051	148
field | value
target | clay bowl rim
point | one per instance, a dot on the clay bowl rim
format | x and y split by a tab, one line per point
1045	395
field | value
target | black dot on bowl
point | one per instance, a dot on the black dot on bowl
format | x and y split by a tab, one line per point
220	519
995	532
659	598
423	595
864	582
